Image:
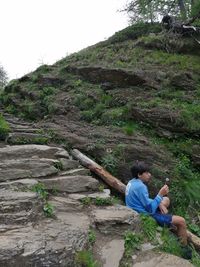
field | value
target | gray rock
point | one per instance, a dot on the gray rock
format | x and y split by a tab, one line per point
69	164
112	252
22	184
71	184
26	168
162	260
28	151
115	219
50	243
19	207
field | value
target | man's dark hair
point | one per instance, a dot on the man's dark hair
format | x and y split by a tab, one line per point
139	168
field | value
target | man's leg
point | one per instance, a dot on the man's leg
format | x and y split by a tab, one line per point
180	224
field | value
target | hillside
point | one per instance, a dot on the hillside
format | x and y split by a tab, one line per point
135	96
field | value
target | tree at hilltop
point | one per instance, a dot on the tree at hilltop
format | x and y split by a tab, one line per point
154	10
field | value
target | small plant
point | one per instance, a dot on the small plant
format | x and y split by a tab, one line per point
41	190
86	201
132	242
194	228
109	162
58	165
91	237
103	201
85	258
48	209
130	128
101	188
43	193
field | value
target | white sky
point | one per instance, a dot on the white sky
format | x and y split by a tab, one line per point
35	32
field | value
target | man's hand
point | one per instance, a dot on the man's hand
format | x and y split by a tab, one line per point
164	191
163	209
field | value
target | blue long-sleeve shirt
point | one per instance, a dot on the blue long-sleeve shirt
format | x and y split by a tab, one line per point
137	197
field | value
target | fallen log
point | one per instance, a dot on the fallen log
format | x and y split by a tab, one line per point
116	184
100	171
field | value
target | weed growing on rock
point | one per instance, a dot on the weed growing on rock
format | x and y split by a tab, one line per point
91	237
41	190
58	165
132	241
85	258
48	209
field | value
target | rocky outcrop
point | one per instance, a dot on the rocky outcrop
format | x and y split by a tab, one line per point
27	237
111	77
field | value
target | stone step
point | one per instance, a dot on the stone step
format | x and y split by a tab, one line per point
16	121
15	201
71	184
14	169
21	184
21	217
31	151
115	219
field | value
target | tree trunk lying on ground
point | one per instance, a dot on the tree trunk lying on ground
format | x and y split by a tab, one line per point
115	183
100	171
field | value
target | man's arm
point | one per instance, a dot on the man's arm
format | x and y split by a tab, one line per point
149	204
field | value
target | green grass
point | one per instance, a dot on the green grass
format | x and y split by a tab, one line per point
85	258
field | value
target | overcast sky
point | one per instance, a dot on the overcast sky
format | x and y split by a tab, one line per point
35	32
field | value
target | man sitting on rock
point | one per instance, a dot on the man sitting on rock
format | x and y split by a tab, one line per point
137	198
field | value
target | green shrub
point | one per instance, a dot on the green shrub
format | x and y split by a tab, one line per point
132	241
48	209
4	128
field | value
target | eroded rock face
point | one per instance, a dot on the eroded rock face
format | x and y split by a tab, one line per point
51	243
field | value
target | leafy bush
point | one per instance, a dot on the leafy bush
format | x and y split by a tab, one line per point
4	128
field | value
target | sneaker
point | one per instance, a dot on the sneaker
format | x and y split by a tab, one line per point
187	252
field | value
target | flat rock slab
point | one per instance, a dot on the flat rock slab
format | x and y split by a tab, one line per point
112	252
14	169
65	204
115	219
71	184
50	243
162	260
22	184
29	151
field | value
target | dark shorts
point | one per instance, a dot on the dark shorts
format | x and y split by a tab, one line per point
163	219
